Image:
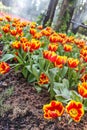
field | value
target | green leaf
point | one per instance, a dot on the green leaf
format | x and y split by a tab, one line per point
58	86
35	71
6	47
41	63
85	104
57	91
17	67
70	120
75	96
29	68
64	71
66	83
52	92
74	74
61	90
7	57
19	59
31	78
35	58
38	88
25	72
61	99
52	73
66	93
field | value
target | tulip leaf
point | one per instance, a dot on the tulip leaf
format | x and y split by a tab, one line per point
58	86
25	72
85	104
19	59
66	93
61	99
64	71
75	96
66	83
7	57
29	68
61	90
38	88
41	63
52	73
35	71
35	58
31	78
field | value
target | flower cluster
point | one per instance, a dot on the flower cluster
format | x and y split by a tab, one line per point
56	109
50	60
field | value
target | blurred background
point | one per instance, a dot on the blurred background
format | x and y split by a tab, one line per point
62	15
29	9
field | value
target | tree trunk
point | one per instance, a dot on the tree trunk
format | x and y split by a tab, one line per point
61	14
50	13
71	12
7	2
79	17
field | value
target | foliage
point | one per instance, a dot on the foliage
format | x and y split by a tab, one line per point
65	20
50	60
82	31
40	18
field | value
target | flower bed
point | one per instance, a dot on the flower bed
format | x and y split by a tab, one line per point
53	61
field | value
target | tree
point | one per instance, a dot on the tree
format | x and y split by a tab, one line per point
65	15
50	13
79	16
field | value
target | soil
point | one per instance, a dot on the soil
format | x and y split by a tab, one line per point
25	111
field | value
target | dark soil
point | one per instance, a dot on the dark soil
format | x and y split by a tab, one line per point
25	111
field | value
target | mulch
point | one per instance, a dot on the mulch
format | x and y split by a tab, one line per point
26	104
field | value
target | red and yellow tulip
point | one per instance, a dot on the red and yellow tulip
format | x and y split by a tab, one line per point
60	61
13	32
53	110
16	45
6	29
67	48
75	110
43	79
53	47
50	55
82	89
4	67
73	63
